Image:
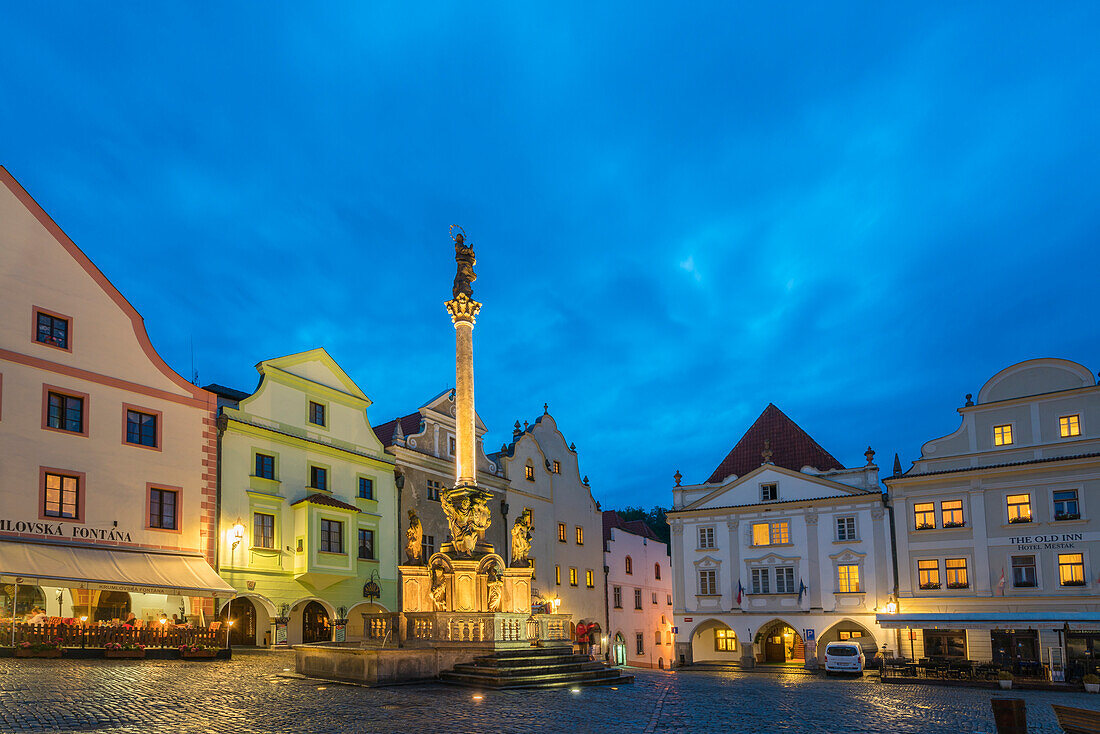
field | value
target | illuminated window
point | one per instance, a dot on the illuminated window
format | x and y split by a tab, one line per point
1019	508
589	579
263	530
1002	435
849	634
1069	426
769	492
708	584
557	575
847	578
629	565
579	532
557	467
706	537
1023	572
561	532
956	573
1071	569
62	496
761	581
1065	505
316	413
924	516
774	533
572	577
725	641
952	513
529	473
928	574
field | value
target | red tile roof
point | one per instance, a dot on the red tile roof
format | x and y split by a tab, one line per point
612	519
791	447
410	425
323	499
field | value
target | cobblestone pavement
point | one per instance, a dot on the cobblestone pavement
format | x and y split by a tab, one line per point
252	693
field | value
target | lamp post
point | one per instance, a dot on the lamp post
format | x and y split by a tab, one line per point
163	632
83	630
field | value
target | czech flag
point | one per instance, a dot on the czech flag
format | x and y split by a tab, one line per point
740	591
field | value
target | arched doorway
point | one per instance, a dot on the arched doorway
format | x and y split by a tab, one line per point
111	605
848	631
619	650
315	624
714	641
24	600
780	643
243	614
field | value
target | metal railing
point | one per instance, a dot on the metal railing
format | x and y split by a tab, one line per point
94	636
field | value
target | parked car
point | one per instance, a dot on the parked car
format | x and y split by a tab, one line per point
844	657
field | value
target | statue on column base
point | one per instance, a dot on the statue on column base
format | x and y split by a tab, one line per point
521	540
468	517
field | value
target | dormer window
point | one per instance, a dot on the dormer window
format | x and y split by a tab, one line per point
1002	435
769	492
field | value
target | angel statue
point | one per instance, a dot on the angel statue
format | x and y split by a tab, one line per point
414	538
439	589
521	540
464	257
467	517
495	586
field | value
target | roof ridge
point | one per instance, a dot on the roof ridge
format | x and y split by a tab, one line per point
790	446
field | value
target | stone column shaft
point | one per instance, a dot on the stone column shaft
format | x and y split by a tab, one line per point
465	440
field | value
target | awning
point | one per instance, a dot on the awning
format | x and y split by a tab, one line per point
111	569
992	620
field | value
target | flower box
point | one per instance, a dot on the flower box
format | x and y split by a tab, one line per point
126	654
54	653
198	654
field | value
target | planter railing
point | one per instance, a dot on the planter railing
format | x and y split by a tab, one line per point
77	635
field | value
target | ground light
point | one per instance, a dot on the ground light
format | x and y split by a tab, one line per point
574	690
478	697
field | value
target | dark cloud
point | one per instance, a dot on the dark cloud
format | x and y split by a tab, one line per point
855	212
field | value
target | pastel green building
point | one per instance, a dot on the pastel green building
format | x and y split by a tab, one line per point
307	509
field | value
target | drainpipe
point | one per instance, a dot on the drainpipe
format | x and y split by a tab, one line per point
607	611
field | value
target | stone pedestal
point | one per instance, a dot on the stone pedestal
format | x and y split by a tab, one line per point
416	586
517	590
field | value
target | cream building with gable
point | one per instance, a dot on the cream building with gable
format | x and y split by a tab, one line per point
781	547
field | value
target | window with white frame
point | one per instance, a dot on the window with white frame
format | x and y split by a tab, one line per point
706	537
771	533
846	528
1023	572
760	581
1065	505
784	580
769	492
708	583
951	512
847	578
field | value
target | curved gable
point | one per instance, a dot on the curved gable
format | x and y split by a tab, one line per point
1035	377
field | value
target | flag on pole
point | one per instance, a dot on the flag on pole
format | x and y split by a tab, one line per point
801	590
740	591
1001	583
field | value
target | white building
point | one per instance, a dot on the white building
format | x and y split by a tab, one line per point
639	593
998	549
781	543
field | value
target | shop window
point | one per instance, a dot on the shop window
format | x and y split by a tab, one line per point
332	536
572	577
955	569
924	516
263	530
1065	505
706	537
1014	646
265	466
928	574
579	533
316	413
52	330
366	488
952	513
162	509
1019	508
708	582
945	644
617	596
65	412
318	477
848	578
784	580
725	641
1002	435
1069	426
637	598
1071	569
24	598
761	581
846	528
1023	572
62	496
366	544
141	428
589	579
769	492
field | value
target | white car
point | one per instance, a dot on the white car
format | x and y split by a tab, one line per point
844	657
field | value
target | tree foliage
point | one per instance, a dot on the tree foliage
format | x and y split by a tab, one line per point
655	518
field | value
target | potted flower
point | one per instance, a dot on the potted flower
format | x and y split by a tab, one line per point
130	650
1092	683
48	649
197	652
1004	678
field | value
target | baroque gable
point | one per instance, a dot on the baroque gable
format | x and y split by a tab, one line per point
790	486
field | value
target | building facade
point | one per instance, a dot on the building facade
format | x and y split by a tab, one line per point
638	594
308	512
998	545
423	446
781	550
567	526
107	485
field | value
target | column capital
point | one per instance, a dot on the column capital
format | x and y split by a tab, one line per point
462	308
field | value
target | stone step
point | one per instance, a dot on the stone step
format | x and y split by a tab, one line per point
534	651
526	660
605	677
502	672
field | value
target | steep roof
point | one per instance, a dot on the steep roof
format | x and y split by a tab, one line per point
612	519
410	425
321	499
791	447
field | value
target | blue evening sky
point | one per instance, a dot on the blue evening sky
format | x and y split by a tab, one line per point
681	213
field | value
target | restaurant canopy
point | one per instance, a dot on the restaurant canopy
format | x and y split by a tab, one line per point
992	620
112	569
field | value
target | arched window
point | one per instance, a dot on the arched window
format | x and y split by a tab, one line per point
629	565
657	571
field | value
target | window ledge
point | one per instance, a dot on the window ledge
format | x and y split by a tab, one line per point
772	545
1075	521
704	550
264	551
846	542
849	593
709	596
